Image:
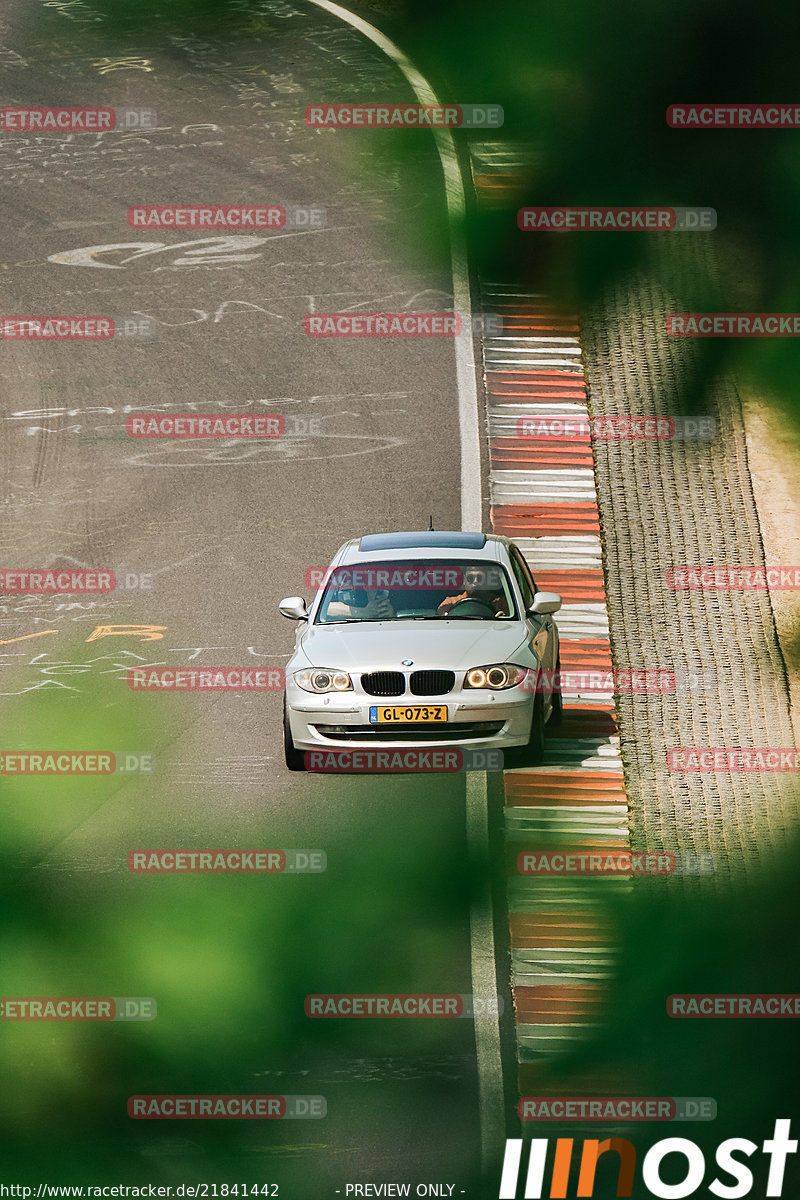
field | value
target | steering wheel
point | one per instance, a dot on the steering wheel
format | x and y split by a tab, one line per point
470	608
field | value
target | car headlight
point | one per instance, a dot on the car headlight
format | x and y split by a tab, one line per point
495	677
323	679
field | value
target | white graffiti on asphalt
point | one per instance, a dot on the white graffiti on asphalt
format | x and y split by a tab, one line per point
53	670
212	251
106	65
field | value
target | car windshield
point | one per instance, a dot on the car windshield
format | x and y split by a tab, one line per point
414	590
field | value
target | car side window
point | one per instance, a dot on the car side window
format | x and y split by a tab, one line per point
523	577
527	572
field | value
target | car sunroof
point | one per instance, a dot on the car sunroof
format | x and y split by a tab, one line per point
443	539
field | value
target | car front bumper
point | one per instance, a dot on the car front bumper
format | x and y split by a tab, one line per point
475	720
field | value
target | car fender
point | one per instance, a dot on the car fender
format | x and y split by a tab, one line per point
525	656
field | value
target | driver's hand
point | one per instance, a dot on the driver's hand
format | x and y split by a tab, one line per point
384	609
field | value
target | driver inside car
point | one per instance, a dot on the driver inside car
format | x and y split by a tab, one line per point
361	604
475	581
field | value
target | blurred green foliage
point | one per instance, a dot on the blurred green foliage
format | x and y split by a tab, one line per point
228	958
585	88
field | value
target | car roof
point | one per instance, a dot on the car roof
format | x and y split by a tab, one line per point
450	540
422	544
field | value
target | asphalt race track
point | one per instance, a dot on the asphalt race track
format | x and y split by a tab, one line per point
219	531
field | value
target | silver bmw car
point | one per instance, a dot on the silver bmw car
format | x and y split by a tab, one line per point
423	639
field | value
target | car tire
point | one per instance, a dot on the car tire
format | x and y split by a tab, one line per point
534	751
295	759
557	715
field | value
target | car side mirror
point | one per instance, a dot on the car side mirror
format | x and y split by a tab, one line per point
293	607
544	603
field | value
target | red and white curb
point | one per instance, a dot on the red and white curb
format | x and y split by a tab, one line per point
542	494
496	169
